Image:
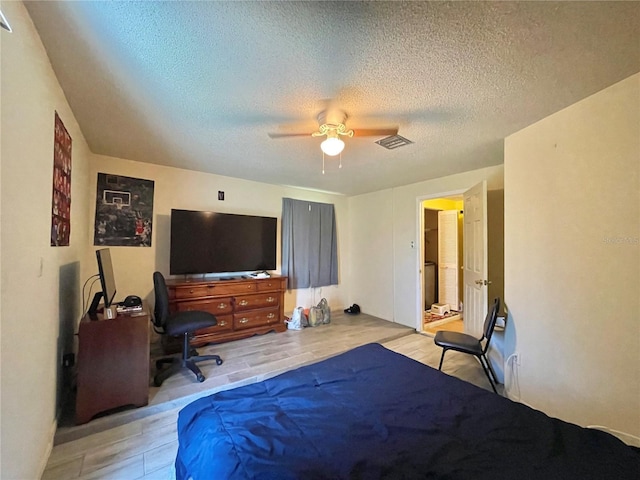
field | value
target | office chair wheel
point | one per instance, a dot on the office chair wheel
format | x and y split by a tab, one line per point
219	361
200	377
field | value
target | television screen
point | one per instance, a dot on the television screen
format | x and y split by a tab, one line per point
211	242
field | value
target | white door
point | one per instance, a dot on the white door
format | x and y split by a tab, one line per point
448	258
475	258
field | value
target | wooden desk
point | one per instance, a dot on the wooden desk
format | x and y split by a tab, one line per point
113	363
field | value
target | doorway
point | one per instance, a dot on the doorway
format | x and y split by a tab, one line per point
481	254
441	257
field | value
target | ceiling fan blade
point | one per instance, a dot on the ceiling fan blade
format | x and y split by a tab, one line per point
282	135
374	132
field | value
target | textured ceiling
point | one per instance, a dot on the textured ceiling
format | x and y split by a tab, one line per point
199	85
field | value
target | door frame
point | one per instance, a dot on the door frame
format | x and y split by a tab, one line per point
420	257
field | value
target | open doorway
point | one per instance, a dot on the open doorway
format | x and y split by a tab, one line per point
469	251
442	254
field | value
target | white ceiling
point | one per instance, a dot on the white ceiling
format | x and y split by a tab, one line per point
199	85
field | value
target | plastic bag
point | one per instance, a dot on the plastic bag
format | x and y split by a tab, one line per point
298	319
315	316
326	311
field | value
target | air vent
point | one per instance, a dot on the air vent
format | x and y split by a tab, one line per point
394	141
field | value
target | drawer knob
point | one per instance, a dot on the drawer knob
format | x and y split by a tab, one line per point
191	291
244	320
222	323
271	299
222	306
243	302
270	316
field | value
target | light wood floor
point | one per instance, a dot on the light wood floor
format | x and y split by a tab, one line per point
142	443
449	326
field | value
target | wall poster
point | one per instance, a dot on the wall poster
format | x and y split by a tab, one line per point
124	211
61	196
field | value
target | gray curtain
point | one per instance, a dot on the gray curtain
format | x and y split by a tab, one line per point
309	246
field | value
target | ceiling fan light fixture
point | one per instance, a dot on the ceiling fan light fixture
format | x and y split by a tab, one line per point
332	146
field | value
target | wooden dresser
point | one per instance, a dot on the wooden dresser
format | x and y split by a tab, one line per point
243	307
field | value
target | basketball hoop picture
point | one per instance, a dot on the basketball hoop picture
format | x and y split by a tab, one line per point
119	199
124	211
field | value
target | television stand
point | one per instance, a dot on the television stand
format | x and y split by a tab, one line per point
243	307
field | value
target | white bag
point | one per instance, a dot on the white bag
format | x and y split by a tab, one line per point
298	319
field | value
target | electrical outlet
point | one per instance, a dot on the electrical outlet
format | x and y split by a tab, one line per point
68	360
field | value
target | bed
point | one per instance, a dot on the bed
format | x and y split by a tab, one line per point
371	413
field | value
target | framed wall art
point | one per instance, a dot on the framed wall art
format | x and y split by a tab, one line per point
61	196
124	211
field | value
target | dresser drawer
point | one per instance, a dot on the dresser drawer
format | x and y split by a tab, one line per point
255	318
218	306
270	285
192	291
214	289
225	324
249	302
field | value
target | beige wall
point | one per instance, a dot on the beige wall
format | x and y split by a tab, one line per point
178	188
40	284
370	253
387	247
495	247
572	259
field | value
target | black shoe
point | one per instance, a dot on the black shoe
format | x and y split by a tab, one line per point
353	309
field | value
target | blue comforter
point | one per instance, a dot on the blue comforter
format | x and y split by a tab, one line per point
371	413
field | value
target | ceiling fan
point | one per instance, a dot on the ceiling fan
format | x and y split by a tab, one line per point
332	124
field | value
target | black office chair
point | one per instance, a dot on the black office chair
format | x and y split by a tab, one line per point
461	342
179	324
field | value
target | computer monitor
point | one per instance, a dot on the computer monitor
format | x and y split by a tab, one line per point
107	282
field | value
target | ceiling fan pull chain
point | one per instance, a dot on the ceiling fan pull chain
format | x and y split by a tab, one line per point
340	160
323	163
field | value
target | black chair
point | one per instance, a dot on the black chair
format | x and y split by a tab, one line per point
180	324
461	342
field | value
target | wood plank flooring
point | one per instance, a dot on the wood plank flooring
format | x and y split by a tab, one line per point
448	326
142	443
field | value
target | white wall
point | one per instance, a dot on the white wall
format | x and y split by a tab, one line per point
370	253
178	188
384	265
572	259
39	306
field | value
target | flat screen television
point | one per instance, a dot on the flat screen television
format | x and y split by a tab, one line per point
212	242
107	281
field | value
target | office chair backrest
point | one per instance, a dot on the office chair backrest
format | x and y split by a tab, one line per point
161	309
490	322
